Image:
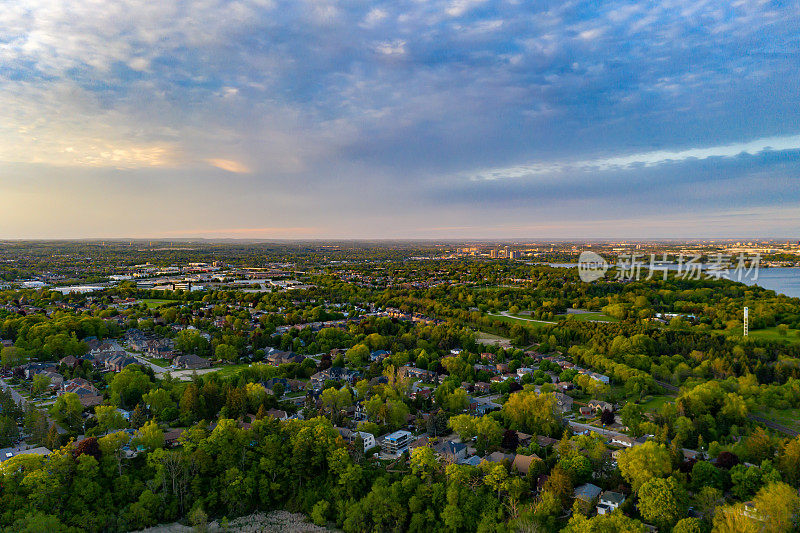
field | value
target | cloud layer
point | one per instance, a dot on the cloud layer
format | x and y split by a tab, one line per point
399	119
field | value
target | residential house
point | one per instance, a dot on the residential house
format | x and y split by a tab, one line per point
87	393
472	460
523	439
379	355
419	443
119	360
31	369
56	379
522	463
524	370
587	492
481	408
190	362
8	453
600	406
545	442
282	358
171	437
499	457
394	444
451	451
417	373
563	402
278	413
481	387
70	361
349	436
333	373
609	501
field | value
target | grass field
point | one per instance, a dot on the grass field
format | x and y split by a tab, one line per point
772	334
229	370
521	318
786	417
591	316
653	403
154	302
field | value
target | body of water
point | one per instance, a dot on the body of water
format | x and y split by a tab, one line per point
783	280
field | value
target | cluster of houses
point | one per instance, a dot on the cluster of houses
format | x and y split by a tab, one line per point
150	344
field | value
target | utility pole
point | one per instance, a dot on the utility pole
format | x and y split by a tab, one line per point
746	320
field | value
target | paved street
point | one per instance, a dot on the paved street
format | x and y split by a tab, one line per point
578	427
18	398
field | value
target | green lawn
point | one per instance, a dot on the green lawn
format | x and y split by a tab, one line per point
154	302
160	362
520	319
586	317
785	417
229	370
488	339
653	403
772	334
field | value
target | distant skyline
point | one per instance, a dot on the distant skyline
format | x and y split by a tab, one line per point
456	119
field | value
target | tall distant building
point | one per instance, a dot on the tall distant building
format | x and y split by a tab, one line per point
493	254
514	254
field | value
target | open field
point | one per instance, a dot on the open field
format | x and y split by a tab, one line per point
589	316
505	316
152	303
524	317
772	334
785	417
487	338
653	403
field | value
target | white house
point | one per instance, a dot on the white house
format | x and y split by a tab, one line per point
368	438
609	501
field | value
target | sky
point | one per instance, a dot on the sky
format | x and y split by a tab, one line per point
403	119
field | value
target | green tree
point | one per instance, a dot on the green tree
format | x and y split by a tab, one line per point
226	352
149	436
789	460
66	410
128	387
157	401
689	525
642	463
109	418
615	522
357	355
12	356
40	384
532	413
662	501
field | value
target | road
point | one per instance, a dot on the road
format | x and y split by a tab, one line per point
18	398
603	432
509	315
157	369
